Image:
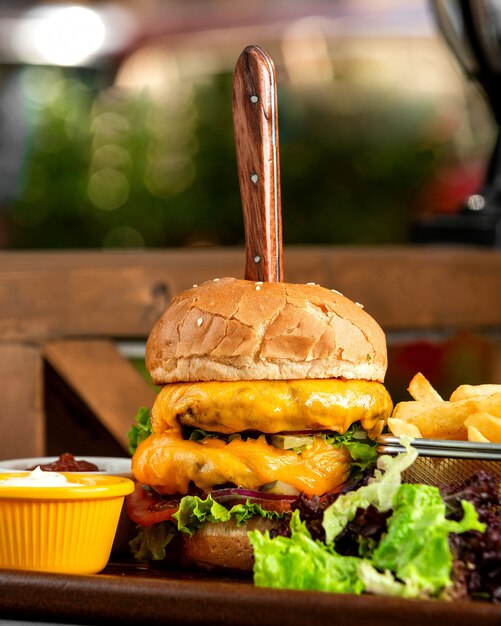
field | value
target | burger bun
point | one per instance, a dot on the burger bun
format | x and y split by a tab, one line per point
228	329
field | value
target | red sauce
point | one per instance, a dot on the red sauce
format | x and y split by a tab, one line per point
67	463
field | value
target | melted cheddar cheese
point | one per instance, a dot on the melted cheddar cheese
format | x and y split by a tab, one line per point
168	463
272	406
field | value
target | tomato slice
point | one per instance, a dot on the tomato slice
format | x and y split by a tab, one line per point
145	507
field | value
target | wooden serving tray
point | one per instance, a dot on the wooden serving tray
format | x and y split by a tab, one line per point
130	593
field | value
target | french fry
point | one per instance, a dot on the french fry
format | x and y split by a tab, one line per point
465	392
473	412
421	390
475	435
399	428
486	425
447	420
444	421
410	411
490	404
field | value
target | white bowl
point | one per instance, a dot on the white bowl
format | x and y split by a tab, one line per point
113	466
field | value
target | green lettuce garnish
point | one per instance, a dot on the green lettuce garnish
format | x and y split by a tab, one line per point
141	429
379	492
151	541
416	545
197	434
362	449
194	512
299	562
412	559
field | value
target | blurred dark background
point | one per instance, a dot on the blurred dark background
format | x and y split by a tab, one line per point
116	125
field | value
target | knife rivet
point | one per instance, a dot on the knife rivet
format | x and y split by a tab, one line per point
254	178
257	258
254	99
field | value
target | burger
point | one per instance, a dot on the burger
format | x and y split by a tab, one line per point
271	392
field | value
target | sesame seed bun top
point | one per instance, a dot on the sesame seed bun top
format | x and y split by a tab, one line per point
228	329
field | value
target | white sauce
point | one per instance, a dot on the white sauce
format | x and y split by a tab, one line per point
39	478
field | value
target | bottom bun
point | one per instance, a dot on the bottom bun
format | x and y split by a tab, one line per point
224	545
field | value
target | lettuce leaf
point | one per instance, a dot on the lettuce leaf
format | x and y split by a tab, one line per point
299	562
379	492
151	541
416	545
361	448
141	429
248	510
194	512
384	583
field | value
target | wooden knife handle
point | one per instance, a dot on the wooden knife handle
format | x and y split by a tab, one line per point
255	121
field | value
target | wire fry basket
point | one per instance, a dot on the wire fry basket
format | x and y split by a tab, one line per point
442	462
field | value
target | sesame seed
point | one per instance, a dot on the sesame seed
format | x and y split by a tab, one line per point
258	287
259	283
216	279
360	305
195	286
311	284
199	321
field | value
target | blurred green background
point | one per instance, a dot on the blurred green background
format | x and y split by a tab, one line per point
128	170
138	151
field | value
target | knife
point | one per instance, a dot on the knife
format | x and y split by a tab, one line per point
255	121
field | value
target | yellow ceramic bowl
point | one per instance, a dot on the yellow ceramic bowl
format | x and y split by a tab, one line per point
108	465
67	529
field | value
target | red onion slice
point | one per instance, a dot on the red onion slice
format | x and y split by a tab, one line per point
233	493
